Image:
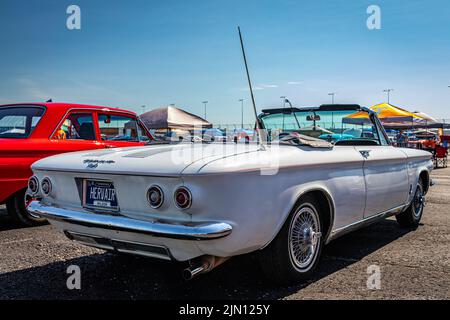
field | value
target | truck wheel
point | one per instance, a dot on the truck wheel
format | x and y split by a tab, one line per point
410	218
17	210
295	253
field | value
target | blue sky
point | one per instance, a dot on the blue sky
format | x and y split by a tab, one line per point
154	53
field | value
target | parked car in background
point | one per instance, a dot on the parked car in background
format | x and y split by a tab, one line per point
174	135
31	131
300	193
211	135
428	140
243	135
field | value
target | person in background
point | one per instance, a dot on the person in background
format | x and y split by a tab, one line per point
61	134
402	139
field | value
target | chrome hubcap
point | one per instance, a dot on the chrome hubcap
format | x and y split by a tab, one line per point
304	236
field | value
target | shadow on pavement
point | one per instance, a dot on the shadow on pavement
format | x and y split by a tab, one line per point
6	223
108	276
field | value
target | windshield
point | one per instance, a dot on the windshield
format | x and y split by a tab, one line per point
337	127
19	121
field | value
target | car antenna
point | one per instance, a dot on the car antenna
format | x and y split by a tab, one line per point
258	121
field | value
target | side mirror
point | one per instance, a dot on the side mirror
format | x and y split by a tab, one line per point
313	118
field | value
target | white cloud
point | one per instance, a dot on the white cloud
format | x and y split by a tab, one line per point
33	90
294	83
261	87
255	88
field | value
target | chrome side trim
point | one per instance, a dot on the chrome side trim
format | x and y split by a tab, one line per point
365	222
163	229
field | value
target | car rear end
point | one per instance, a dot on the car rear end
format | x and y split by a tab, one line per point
138	214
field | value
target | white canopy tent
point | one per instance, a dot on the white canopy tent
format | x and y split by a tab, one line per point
173	118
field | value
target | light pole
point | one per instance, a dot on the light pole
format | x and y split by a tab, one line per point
443	120
332	94
284	106
388	91
283	100
242	112
205	103
143	109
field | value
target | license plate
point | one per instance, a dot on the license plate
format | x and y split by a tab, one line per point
100	195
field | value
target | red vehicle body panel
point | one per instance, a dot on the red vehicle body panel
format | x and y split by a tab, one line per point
17	155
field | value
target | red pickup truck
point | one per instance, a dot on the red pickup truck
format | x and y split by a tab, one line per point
31	131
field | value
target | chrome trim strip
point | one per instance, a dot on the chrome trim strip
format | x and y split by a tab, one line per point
163	229
365	222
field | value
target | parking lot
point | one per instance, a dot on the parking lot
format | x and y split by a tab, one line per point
413	265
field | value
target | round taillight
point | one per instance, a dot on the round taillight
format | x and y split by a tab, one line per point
46	186
155	197
183	198
33	185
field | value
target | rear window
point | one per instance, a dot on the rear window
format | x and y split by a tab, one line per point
19	121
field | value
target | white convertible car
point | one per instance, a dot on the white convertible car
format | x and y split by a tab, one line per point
322	172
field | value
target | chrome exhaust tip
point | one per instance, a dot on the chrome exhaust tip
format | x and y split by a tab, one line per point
190	273
202	265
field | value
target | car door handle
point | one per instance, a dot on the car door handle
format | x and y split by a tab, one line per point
365	153
108	146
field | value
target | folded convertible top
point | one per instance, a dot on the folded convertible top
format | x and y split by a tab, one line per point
295	138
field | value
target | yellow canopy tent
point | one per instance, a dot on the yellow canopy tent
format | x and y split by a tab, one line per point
389	115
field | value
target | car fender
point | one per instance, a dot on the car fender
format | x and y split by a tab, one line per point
298	192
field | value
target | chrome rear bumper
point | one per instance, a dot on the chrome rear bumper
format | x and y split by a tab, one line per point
163	229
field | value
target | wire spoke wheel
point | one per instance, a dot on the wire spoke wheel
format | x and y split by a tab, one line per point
418	202
304	236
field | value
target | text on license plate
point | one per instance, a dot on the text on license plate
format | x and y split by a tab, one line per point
100	194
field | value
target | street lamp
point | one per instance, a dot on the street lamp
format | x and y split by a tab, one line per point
283	99
388	91
332	94
242	112
143	109
205	103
